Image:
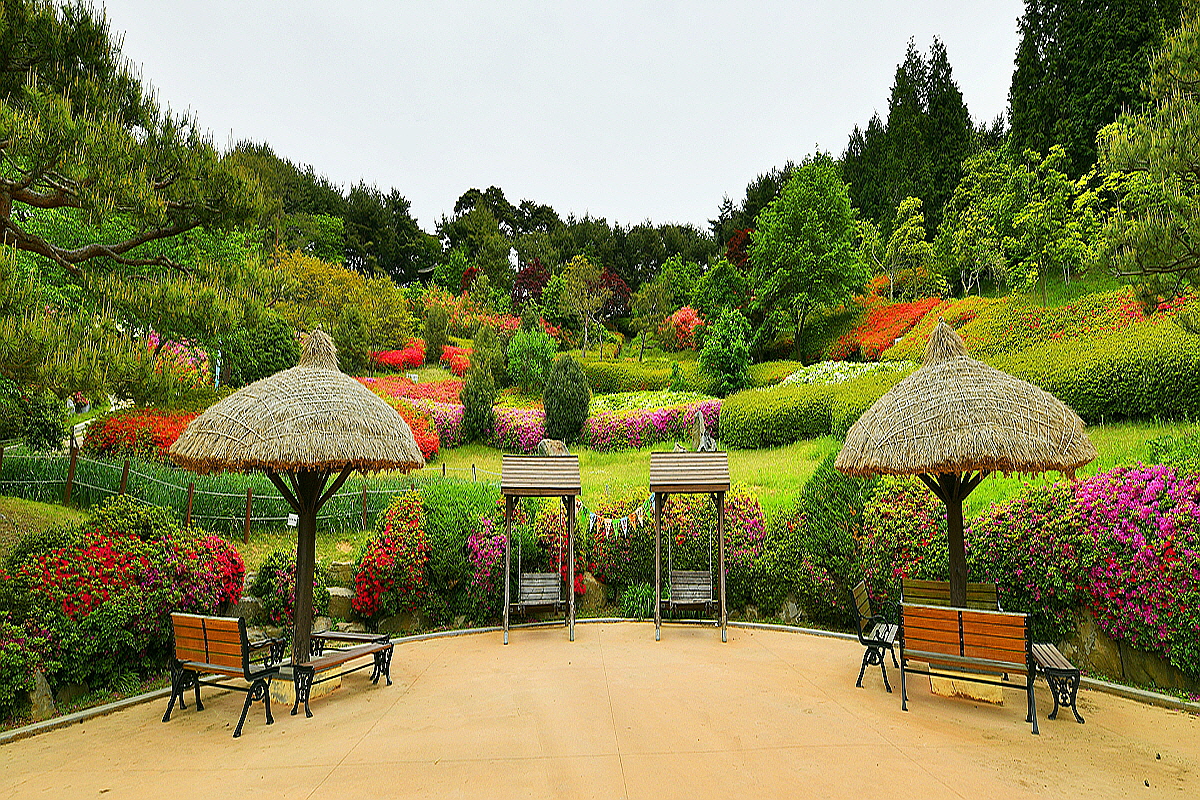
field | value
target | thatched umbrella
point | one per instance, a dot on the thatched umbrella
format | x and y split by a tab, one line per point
952	423
307	423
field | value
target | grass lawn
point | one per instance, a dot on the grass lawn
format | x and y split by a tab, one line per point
19	517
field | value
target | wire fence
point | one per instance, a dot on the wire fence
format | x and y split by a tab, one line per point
231	503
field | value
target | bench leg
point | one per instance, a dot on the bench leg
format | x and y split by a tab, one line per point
1031	702
903	687
862	670
303	680
176	692
1064	686
383	666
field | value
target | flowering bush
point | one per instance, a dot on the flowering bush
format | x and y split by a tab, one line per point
1125	543
136	433
883	325
24	648
618	430
679	330
205	571
447	419
391	574
519	429
903	536
182	358
826	372
275	586
411	357
629	401
466	315
457	359
397	386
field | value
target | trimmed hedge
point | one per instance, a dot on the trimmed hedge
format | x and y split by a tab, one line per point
1148	370
611	377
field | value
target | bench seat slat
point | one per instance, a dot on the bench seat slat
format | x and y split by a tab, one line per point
334	657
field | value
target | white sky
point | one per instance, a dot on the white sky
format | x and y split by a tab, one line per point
630	111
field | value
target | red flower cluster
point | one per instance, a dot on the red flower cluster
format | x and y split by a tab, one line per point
142	432
411	357
397	386
422	427
391	575
456	359
682	326
883	325
79	579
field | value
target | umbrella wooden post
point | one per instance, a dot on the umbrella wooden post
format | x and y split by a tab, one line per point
187	516
309	485
958	554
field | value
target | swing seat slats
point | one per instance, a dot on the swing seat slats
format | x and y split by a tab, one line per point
539	590
690	589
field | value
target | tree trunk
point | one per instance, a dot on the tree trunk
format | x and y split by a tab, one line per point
642	350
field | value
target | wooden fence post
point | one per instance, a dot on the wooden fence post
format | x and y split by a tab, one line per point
187	517
124	477
249	500
364	508
474	477
443	469
70	473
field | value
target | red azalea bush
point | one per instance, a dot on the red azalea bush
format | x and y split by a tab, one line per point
882	326
680	328
421	424
466	315
136	433
457	359
398	386
411	357
391	576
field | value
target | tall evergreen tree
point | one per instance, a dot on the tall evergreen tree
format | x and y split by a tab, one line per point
1078	66
907	151
864	167
948	133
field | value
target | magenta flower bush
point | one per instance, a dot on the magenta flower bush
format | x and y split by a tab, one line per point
447	418
621	430
1125	544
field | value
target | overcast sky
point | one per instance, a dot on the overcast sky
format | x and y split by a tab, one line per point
629	111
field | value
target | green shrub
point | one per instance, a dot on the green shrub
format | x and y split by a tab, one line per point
725	357
1144	371
352	338
487	352
125	515
45	422
437	328
770	417
262	351
1180	452
637	601
478	398
24	648
769	373
611	377
275	586
566	400
849	400
451	510
530	357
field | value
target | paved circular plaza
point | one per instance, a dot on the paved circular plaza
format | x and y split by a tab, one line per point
616	714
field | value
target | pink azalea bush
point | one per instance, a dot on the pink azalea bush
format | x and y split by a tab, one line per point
1125	544
620	430
519	429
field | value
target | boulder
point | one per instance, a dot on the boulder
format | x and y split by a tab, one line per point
552	447
350	627
41	699
249	607
341	573
70	692
339	602
595	594
408	622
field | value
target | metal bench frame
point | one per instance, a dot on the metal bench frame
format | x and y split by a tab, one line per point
876	633
304	675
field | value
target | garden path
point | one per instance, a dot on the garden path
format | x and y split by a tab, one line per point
770	714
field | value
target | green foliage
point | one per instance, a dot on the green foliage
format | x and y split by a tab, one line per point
771	417
1145	371
722	287
437	326
488	353
123	514
725	356
352	342
261	351
611	377
803	250
44	422
275	585
903	536
566	399
637	601
479	399
907	252
583	295
678	381
530	357
451	510
652	304
769	373
679	278
1180	452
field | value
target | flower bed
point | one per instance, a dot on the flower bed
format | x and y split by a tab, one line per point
391	574
447	420
884	324
1125	543
628	401
399	386
411	357
827	372
519	429
465	315
620	430
136	433
456	359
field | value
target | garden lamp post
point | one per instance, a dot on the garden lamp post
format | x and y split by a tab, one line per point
956	420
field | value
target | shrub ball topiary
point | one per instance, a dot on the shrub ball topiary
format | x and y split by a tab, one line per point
478	398
437	326
725	357
566	398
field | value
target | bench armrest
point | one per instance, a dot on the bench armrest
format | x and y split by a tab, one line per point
276	645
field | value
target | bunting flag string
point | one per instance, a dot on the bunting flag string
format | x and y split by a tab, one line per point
617	526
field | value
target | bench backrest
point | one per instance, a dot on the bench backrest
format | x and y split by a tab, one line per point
862	601
994	636
691	586
220	641
981	596
540	587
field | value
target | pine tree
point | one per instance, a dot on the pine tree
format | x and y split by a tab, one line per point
948	133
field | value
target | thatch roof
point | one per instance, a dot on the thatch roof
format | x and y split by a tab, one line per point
956	414
309	417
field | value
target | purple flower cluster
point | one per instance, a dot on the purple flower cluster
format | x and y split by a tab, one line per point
519	429
486	550
620	430
447	418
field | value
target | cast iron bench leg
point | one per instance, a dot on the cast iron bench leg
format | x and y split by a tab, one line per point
303	685
1064	686
383	664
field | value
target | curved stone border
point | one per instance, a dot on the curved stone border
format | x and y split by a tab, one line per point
1128	692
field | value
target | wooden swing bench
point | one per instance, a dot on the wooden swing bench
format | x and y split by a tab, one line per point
538	591
690	590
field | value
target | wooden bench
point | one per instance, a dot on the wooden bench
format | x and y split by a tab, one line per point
219	646
876	634
539	590
1062	676
982	596
321	659
987	646
690	589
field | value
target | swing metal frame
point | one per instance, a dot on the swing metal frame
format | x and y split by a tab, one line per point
540	476
689	473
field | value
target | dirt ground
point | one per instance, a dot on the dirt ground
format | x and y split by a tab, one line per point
616	714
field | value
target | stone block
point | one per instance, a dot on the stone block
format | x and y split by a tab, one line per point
595	595
350	627
341	573
408	622
249	607
70	692
552	447
339	602
41	699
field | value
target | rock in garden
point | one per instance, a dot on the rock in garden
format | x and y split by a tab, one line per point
339	602
350	627
40	698
595	594
341	573
552	447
